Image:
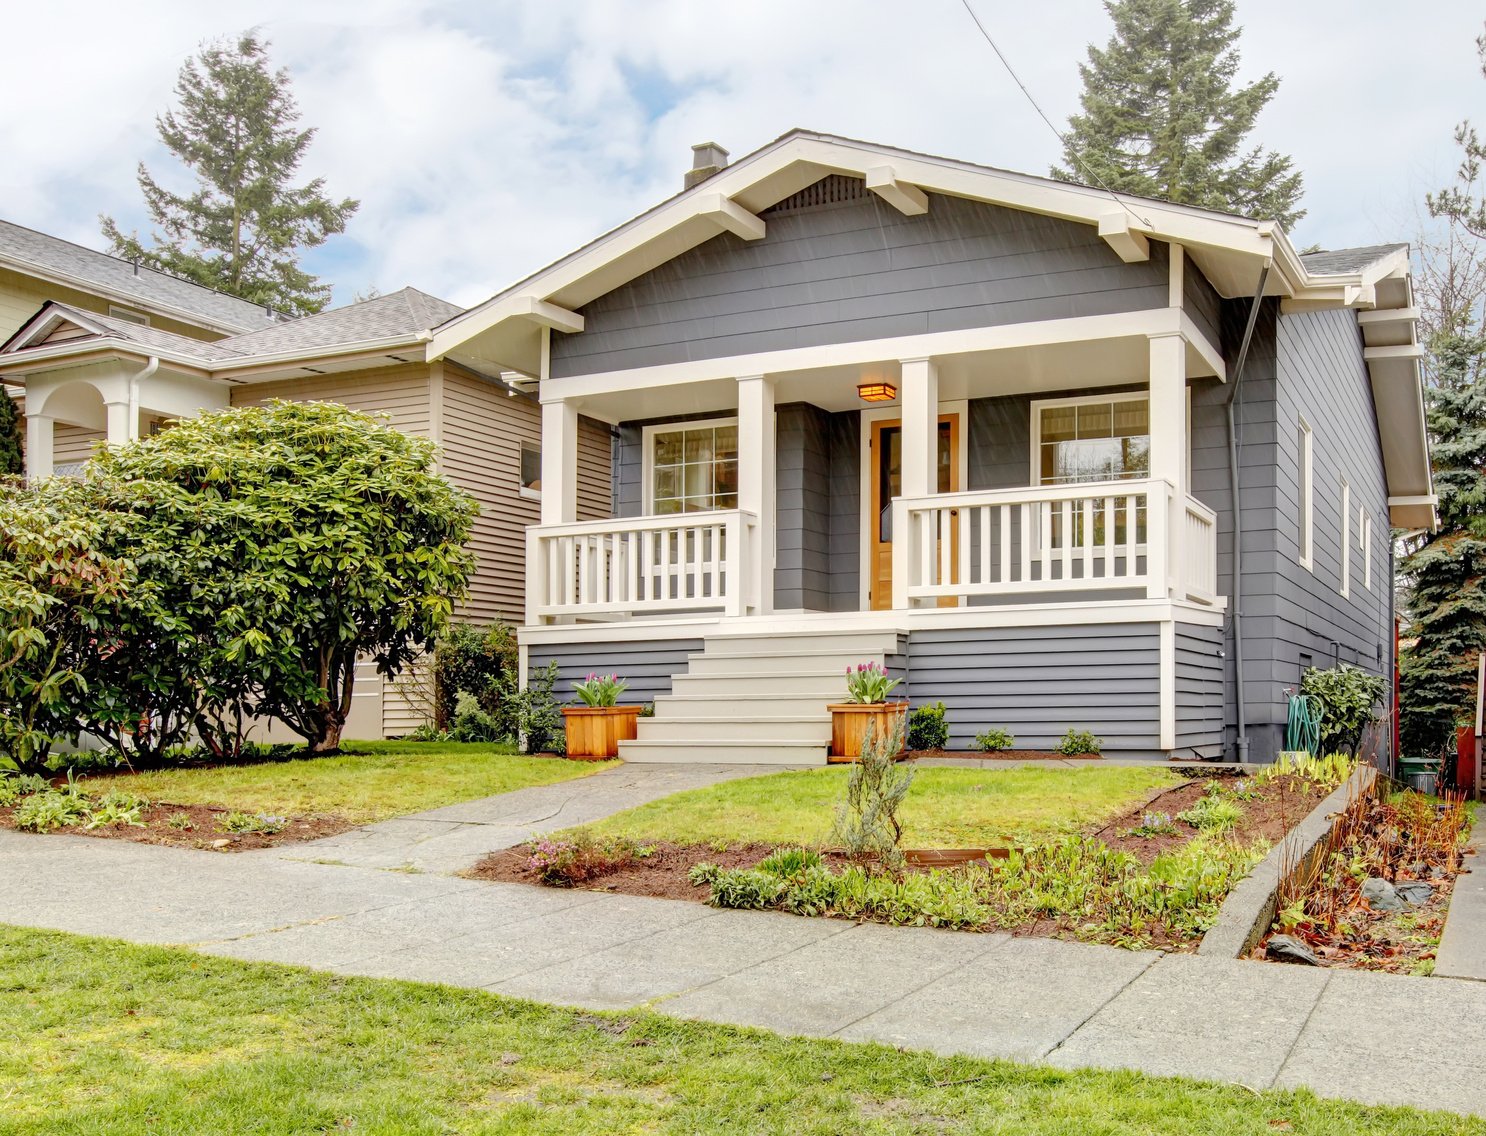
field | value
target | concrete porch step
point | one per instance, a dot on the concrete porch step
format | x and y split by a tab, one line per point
774	662
725	752
737	727
844	641
737	707
826	684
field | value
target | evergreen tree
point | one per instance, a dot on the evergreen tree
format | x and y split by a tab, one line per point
242	228
1446	573
1162	116
12	458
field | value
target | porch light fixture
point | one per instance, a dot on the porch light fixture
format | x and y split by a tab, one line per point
877	392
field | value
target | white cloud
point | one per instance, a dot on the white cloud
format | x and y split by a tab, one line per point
485	140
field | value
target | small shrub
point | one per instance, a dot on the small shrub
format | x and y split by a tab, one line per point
927	728
789	861
259	823
472	722
867	683
181	822
116	808
563	863
600	690
1212	813
1326	772
995	740
1348	697
43	812
481	661
1155	824
867	817
538	715
1076	742
428	731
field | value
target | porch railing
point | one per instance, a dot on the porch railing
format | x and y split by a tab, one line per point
683	562
1083	537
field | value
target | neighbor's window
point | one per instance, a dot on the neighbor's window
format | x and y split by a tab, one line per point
128	314
1346	581
531	468
1098	440
694	468
1306	518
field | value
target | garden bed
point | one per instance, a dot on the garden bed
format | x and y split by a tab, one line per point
202	827
1000	755
1119	879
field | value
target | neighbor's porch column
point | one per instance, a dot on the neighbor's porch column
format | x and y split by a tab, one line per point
39	432
756	461
559	463
1168	387
918	394
120	429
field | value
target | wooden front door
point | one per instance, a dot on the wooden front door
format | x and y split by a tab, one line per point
885	455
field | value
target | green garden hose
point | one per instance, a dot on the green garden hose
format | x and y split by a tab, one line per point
1303	729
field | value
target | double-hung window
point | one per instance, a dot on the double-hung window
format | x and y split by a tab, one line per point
1105	439
692	467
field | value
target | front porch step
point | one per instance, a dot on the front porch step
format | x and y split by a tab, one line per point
739	707
725	752
848	641
711	729
773	662
826	684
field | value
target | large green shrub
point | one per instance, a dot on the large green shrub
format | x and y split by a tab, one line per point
480	662
1349	698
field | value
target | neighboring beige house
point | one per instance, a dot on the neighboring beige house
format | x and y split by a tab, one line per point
91	377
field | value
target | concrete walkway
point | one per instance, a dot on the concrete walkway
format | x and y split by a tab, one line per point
1462	952
1374	1038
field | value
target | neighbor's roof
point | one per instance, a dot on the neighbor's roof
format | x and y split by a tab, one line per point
383	317
62	262
1336	261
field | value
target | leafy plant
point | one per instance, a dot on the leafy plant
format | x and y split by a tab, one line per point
1212	813
1155	824
472	722
868	683
995	740
600	690
1327	771
789	861
1076	742
43	812
1349	698
564	863
180	821
867	818
538	715
116	808
260	823
480	661
927	727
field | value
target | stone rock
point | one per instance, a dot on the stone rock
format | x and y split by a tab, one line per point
1282	948
1414	892
220	843
1381	895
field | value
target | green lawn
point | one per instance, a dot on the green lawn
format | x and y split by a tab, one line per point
946	808
108	1038
373	781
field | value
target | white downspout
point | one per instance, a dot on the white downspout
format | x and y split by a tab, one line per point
144	373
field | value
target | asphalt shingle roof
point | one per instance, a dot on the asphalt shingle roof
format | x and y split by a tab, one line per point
398	313
55	256
1336	261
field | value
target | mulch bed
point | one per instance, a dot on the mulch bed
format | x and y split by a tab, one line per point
1001	755
663	874
203	832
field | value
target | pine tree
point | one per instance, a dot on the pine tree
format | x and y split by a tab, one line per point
242	229
1446	573
12	459
1163	118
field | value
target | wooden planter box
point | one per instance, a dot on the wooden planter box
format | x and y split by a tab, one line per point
596	731
849	724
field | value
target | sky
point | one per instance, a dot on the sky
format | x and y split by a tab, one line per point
486	139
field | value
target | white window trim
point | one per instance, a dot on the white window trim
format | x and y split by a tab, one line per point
647	442
522	490
1306	542
1364	541
118	311
1346	565
1038	404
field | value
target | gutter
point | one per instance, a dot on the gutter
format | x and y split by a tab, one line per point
1241	736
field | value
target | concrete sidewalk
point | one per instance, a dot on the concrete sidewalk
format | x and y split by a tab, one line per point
1368	1037
1462	951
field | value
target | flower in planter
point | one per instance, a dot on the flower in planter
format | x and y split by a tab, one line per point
600	690
868	683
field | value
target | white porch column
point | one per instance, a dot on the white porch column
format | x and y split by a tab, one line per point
756	465
559	463
920	399
39	433
120	429
1168	386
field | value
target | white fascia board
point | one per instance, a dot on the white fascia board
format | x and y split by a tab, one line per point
40	325
1075	329
1120	235
79	352
129	299
903	196
271	358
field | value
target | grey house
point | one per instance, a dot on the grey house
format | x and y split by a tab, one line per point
972	424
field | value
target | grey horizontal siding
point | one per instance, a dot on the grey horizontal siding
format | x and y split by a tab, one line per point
1199	688
855	270
1038	683
1201	301
647	665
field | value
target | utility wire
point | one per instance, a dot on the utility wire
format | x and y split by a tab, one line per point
1067	146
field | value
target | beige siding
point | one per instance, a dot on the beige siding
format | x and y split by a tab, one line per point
407	700
22	296
401	392
483	430
73	443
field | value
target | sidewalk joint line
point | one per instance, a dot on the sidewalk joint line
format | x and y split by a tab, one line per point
991	948
1309	1014
1094	1013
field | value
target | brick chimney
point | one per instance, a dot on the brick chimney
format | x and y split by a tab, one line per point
707	158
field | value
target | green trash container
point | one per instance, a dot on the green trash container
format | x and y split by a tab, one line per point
1418	773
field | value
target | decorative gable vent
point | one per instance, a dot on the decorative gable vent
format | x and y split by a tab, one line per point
830	190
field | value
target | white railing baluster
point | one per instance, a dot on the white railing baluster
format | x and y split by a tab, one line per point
1003	518
1086	506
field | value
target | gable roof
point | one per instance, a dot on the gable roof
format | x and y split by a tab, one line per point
1347	260
50	258
403	313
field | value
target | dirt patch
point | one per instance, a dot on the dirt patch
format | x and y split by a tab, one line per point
199	826
1001	755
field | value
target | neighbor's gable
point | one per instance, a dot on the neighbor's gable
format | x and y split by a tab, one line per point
838	264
